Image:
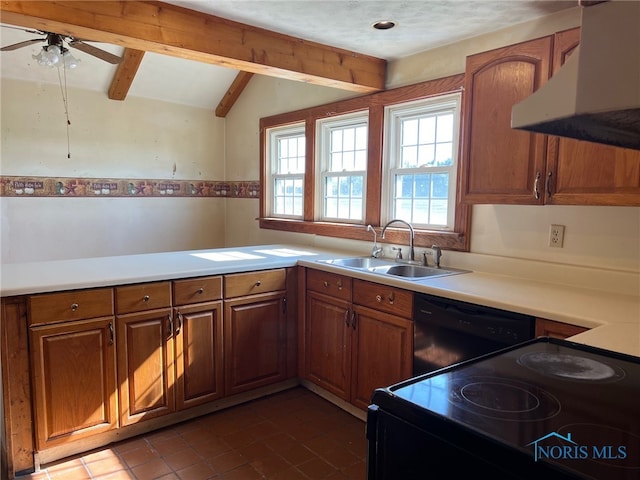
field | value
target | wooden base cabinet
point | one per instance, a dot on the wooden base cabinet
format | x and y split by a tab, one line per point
358	335
73	365
255	310
74	379
551	328
145	351
198	341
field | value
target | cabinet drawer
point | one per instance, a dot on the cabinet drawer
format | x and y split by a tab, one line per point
197	290
241	284
146	296
337	286
66	306
381	297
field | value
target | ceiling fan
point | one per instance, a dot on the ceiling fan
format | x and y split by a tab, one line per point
55	50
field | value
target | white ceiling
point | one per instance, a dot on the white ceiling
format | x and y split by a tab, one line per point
421	25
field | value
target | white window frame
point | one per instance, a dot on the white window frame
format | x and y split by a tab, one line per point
393	117
273	135
324	128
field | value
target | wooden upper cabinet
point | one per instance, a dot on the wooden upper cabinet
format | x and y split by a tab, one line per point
586	173
500	164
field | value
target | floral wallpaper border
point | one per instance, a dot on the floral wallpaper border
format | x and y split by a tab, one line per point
12	186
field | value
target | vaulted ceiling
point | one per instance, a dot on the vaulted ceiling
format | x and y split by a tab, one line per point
204	52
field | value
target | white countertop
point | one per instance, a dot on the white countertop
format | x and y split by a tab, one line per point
614	319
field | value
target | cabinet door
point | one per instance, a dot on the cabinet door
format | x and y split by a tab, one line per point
499	164
145	365
328	344
586	173
74	379
382	352
198	339
254	341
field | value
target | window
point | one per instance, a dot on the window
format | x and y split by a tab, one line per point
391	154
421	162
342	149
286	186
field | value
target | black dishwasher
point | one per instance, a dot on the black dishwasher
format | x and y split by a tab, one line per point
450	331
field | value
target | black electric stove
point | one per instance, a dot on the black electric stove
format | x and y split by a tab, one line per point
545	408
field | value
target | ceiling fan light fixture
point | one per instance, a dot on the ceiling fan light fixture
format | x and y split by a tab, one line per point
69	61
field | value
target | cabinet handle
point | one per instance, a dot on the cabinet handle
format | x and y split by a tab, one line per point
379	298
146	298
536	192
548	184
258	283
200	291
326	284
353	319
170	326
179	324
74	307
392	298
346	318
111	334
339	283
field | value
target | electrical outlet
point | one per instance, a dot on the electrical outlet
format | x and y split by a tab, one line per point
556	236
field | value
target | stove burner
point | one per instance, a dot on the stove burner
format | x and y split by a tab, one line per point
603	442
571	367
500	397
503	399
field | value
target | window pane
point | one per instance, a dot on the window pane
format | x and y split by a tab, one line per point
421	211
360	160
445	128
356	209
348	160
422	186
403	210
336	140
409	132
361	138
348	139
444	153
343	186
409	157
331	187
343	208
440	188
427	130
426	154
438	212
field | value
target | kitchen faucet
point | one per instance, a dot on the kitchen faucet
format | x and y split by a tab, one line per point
412	255
375	250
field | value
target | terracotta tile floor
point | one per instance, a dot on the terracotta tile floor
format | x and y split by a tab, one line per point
289	435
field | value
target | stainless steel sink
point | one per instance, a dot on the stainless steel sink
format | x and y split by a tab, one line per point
364	263
414	271
384	267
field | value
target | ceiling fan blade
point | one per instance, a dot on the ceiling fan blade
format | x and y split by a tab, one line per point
96	52
15	46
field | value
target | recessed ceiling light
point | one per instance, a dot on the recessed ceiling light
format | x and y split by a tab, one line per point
384	25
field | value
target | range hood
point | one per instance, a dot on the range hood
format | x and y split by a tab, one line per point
595	96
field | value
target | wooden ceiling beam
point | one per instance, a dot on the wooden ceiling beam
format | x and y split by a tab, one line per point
168	29
126	72
233	93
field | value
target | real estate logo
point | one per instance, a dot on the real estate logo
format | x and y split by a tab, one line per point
571	450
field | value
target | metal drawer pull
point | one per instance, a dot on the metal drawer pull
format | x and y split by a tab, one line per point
74	306
548	184
391	298
179	324
111	334
339	283
146	298
379	298
258	283
170	326
346	317
326	284
353	319
200	291
536	192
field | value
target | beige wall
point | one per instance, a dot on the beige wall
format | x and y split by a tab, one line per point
134	139
505	239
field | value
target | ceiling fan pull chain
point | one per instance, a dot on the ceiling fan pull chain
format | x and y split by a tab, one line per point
65	102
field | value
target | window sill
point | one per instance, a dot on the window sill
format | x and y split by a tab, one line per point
397	236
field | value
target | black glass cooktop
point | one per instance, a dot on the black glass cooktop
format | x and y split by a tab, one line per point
562	402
